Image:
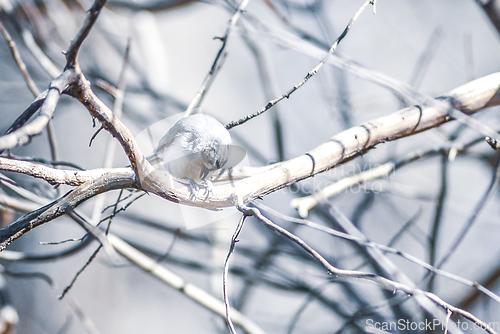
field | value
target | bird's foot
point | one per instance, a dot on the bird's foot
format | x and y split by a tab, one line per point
194	189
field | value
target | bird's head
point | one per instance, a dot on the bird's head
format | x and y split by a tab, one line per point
215	155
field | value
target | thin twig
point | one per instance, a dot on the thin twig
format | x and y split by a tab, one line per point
480	205
97	233
60	242
384	282
87	323
365	242
72	53
269	91
122	209
438	214
22	66
208	79
22	135
234	240
310	74
189	290
212	78
73	281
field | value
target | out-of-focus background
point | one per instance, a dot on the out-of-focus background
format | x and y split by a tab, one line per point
421	209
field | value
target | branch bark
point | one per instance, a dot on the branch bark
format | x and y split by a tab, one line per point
469	98
65	204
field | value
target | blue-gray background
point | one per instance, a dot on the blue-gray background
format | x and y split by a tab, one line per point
173	50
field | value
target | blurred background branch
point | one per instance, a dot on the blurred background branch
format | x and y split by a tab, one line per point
418	204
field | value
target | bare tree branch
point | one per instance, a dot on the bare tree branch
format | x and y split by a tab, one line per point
362	275
73	49
65	204
234	239
22	135
310	74
190	290
17	56
201	91
57	176
470	98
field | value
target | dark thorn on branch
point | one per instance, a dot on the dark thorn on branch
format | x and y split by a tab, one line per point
95	135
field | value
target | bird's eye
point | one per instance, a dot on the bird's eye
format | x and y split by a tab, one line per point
210	157
223	157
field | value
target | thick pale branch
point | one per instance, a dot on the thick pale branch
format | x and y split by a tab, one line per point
469	98
58	176
343	147
346	145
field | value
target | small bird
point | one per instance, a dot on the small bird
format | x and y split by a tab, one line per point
193	149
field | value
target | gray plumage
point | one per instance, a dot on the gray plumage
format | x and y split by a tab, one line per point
193	149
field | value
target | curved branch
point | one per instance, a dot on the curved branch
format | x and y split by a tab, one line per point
15	256
469	98
57	176
91	18
109	181
27	113
309	74
22	135
80	89
341	148
384	282
192	291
